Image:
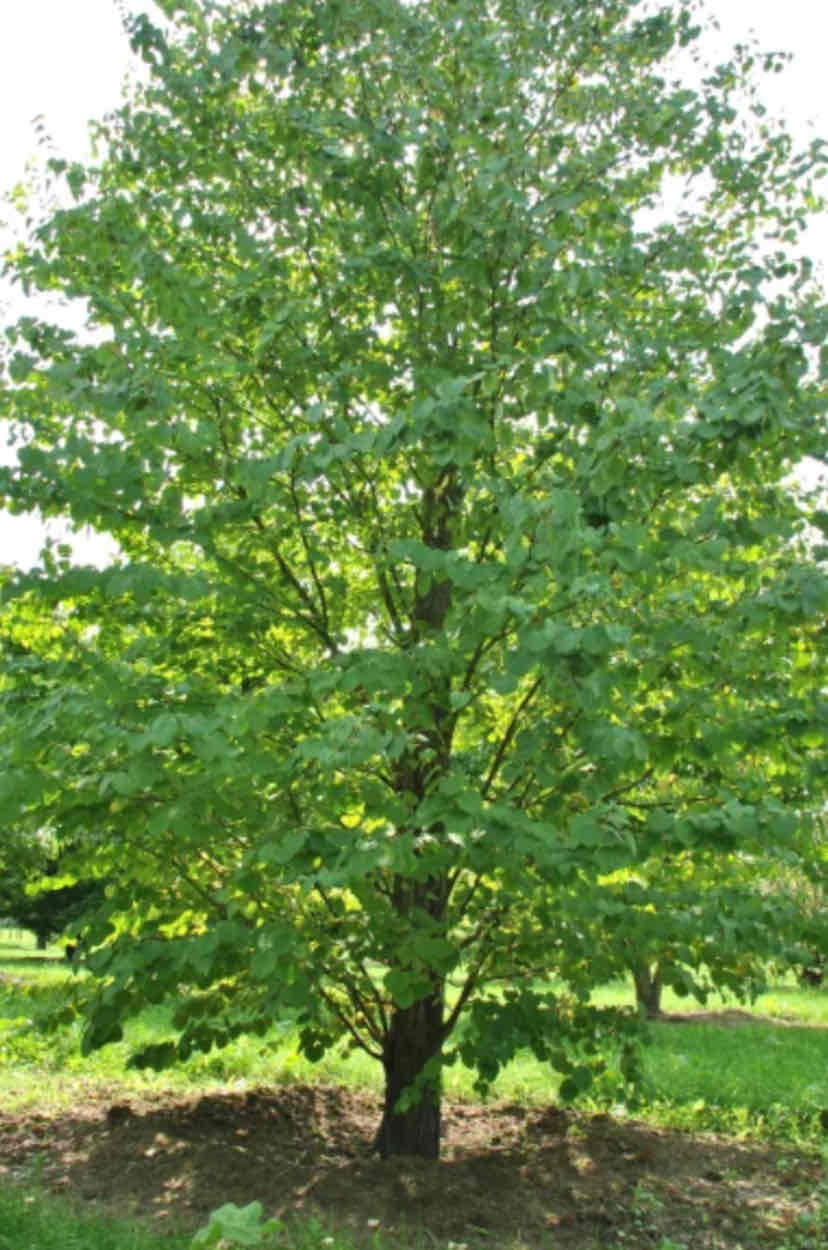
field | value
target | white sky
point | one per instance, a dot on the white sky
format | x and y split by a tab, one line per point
66	60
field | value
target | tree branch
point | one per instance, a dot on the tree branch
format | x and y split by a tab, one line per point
511	730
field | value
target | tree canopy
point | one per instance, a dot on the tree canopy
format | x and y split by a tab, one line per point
444	368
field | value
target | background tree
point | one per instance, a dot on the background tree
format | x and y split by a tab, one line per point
717	916
802	886
448	476
35	890
697	923
21	860
38	889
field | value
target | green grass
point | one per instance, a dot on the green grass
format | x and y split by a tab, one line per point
31	1220
750	1078
793	1002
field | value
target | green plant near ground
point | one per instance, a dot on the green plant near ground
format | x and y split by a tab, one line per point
231	1226
33	1220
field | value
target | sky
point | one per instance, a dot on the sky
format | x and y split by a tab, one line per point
65	60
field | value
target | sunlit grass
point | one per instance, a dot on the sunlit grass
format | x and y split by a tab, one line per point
795	1002
753	1075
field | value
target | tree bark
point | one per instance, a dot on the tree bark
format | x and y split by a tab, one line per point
415	1036
648	989
813	973
415	1033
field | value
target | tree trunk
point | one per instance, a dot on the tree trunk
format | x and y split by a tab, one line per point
414	1037
42	941
648	989
415	1034
813	973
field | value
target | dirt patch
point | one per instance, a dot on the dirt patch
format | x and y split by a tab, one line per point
731	1017
509	1176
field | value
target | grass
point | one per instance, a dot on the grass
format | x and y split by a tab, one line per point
753	1079
756	1079
31	1220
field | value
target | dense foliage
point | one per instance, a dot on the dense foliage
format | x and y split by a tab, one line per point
35	896
460	583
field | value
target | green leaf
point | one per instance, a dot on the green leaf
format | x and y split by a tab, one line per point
577	1083
232	1225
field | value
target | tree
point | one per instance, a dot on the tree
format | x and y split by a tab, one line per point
38	890
43	905
695	920
21	859
695	926
34	891
448	476
802	887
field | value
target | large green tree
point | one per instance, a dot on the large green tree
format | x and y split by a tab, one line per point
458	572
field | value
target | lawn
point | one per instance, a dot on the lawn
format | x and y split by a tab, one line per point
727	1148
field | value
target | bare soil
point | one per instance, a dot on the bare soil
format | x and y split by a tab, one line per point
510	1176
732	1017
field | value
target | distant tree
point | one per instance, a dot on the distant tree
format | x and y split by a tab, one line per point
21	858
449	473
695	932
804	888
696	921
35	894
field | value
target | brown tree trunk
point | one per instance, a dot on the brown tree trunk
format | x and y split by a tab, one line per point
415	1034
813	973
648	989
414	1037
